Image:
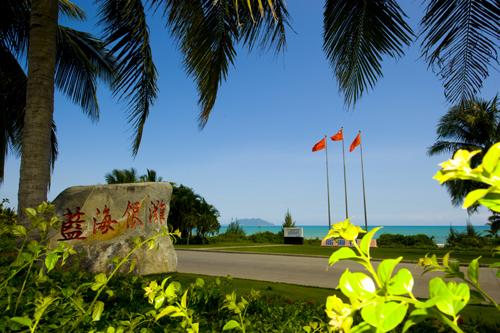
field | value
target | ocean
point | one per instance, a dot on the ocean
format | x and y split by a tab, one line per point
314	231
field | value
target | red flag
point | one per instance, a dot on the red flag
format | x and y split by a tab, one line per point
339	136
320	145
355	143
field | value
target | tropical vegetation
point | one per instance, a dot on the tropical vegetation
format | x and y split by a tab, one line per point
190	211
120	176
472	125
459	42
288	222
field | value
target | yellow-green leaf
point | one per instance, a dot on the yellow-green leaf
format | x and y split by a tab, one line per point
97	311
474	196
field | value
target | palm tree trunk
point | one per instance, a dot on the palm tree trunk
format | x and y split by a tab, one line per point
35	159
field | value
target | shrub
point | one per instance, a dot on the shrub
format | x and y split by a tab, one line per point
398	240
266	237
470	238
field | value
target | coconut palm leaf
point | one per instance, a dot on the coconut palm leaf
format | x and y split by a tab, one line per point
474	124
14	29
461	42
470	125
117	176
357	35
71	10
12	103
127	34
81	60
208	31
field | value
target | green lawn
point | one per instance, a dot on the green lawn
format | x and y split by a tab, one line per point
409	254
314	295
291	292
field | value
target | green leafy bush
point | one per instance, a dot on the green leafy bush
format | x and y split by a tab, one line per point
266	237
398	240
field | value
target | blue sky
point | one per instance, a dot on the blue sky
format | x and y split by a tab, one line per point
254	159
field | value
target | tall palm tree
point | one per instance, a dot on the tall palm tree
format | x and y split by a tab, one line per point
471	125
81	59
122	176
207	32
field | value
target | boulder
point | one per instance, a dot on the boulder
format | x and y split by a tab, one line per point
100	221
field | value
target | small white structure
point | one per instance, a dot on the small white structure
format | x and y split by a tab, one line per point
293	235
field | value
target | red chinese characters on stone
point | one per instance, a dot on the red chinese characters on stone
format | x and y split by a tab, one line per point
106	222
132	214
71	227
157	212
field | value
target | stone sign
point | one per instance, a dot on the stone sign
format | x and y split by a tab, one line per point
101	220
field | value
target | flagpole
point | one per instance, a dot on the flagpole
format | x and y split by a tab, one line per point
363	181
345	181
328	184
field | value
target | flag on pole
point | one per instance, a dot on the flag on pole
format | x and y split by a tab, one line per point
355	143
339	136
320	145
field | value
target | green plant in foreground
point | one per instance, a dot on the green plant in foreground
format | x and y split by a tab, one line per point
32	296
384	296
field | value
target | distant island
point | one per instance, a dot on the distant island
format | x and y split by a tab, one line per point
254	223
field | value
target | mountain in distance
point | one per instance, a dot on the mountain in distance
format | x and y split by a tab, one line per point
254	222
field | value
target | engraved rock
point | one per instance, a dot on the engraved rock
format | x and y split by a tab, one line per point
100	221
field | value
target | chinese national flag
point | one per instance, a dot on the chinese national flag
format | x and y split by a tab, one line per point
339	136
320	145
355	143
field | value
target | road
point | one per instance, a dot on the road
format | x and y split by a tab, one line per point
302	270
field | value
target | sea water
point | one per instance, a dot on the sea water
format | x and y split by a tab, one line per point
440	233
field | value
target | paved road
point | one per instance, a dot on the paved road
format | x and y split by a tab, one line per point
308	271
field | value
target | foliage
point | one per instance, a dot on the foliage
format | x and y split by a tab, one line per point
494	223
289	222
472	125
7	215
384	297
234	228
120	176
398	240
266	237
487	172
469	239
189	211
81	59
32	293
117	176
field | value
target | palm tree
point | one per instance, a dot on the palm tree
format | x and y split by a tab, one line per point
80	60
459	42
207	32
494	223
122	176
150	176
471	125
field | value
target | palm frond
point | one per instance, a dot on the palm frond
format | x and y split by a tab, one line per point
81	60
12	107
461	42
268	30
14	25
208	31
357	34
127	34
12	100
71	10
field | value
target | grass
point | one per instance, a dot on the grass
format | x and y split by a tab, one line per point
317	296
409	254
313	295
